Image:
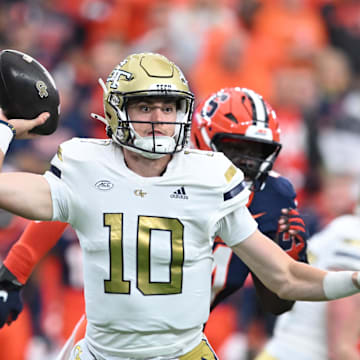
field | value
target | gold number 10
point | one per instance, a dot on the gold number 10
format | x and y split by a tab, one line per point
146	224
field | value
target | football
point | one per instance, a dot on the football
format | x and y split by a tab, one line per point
27	89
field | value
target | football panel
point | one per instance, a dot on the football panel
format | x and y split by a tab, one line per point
30	84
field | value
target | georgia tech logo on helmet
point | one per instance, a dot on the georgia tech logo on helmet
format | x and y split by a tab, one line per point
115	76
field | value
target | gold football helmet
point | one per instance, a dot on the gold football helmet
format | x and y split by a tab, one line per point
144	75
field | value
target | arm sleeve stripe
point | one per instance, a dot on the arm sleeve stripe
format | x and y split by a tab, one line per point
234	191
346	254
56	171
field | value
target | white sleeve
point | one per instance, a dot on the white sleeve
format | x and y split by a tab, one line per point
236	226
60	197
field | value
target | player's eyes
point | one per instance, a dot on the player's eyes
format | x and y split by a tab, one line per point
168	109
146	108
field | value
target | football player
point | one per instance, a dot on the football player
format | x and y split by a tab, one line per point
223	119
322	331
146	211
239	123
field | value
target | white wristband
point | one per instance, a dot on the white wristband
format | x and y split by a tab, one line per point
6	136
339	284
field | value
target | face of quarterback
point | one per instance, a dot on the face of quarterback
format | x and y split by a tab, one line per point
152	117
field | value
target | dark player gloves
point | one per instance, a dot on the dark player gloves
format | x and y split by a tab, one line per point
10	298
292	234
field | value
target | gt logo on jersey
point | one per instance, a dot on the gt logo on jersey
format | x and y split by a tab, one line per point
140	193
78	352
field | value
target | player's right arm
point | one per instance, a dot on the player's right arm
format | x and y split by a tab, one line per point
24	194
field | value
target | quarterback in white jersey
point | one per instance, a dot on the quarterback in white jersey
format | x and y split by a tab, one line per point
146	211
147	242
320	330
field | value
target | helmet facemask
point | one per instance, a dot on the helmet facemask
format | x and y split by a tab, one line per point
154	147
255	158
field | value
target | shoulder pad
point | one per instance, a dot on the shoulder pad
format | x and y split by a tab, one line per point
281	185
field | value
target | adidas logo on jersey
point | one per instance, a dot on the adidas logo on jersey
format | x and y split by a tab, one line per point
179	194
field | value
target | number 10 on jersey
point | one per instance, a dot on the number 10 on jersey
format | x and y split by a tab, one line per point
145	225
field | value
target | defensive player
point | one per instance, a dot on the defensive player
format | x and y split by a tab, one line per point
239	123
322	331
146	252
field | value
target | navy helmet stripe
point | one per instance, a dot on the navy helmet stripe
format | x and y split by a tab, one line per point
56	171
234	191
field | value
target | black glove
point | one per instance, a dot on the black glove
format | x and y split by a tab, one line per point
11	303
292	234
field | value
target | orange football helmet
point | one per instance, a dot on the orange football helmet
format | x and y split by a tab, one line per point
238	122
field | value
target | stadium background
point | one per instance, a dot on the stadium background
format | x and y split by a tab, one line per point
303	56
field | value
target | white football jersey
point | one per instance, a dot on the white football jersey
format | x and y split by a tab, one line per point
147	241
302	332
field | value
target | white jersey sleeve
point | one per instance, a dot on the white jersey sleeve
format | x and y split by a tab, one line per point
236	226
61	190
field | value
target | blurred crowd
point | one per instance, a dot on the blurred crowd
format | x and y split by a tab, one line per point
303	56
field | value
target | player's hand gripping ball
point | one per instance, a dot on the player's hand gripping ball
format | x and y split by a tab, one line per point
27	89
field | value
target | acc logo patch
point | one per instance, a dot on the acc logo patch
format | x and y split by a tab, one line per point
104	185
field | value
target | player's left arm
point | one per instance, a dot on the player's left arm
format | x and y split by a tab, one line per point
269	301
290	279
